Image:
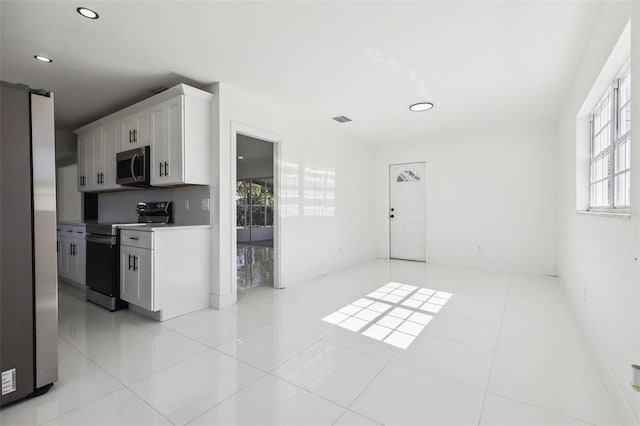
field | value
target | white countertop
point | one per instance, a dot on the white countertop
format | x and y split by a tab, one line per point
73	222
152	227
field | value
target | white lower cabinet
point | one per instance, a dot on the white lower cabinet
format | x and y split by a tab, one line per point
136	276
72	253
166	271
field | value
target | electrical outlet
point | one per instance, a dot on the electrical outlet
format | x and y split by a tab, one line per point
205	204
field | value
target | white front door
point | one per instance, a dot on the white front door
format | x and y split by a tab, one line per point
407	211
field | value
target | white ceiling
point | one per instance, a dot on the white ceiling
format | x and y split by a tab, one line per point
479	62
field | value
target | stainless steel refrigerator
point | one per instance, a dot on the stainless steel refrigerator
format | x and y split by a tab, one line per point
28	268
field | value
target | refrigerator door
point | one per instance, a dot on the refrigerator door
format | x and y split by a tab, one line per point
44	236
16	271
28	268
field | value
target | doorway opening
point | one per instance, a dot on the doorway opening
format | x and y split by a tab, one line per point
407	211
256	224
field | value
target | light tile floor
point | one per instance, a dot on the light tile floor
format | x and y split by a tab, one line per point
502	350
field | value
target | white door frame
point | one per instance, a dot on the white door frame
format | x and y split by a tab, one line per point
426	204
276	140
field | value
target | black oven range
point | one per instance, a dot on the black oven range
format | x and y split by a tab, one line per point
103	253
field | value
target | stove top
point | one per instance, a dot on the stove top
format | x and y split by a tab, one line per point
157	213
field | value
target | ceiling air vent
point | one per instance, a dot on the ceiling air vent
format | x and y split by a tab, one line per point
342	119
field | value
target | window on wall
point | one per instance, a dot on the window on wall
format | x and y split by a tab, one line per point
610	147
254	203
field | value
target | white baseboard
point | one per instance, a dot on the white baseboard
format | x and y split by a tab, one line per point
222	301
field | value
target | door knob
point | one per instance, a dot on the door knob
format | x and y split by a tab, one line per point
392	209
391	216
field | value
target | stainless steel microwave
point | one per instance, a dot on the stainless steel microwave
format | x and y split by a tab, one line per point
133	167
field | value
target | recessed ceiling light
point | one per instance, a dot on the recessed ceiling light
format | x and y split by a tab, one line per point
240	157
421	106
87	13
43	58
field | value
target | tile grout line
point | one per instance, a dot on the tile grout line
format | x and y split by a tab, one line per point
125	386
550	364
447	379
122	386
528	404
81	406
495	347
272	374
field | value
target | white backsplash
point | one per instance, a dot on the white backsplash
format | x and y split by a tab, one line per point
121	206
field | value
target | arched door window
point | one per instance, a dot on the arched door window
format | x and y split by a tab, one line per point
408	176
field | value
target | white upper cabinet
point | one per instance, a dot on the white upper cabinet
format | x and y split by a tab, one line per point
110	140
176	124
83	144
167	141
135	131
97	158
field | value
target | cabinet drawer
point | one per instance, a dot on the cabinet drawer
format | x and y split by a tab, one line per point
139	239
71	231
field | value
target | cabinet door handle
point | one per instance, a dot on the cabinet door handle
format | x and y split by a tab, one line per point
161	168
135	260
135	135
58	246
166	168
78	232
129	262
130	136
69	230
134	238
102	178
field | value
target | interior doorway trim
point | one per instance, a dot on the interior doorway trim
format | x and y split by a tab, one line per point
276	140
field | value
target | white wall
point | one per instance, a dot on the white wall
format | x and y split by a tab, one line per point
68	198
66	148
598	255
492	188
328	193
